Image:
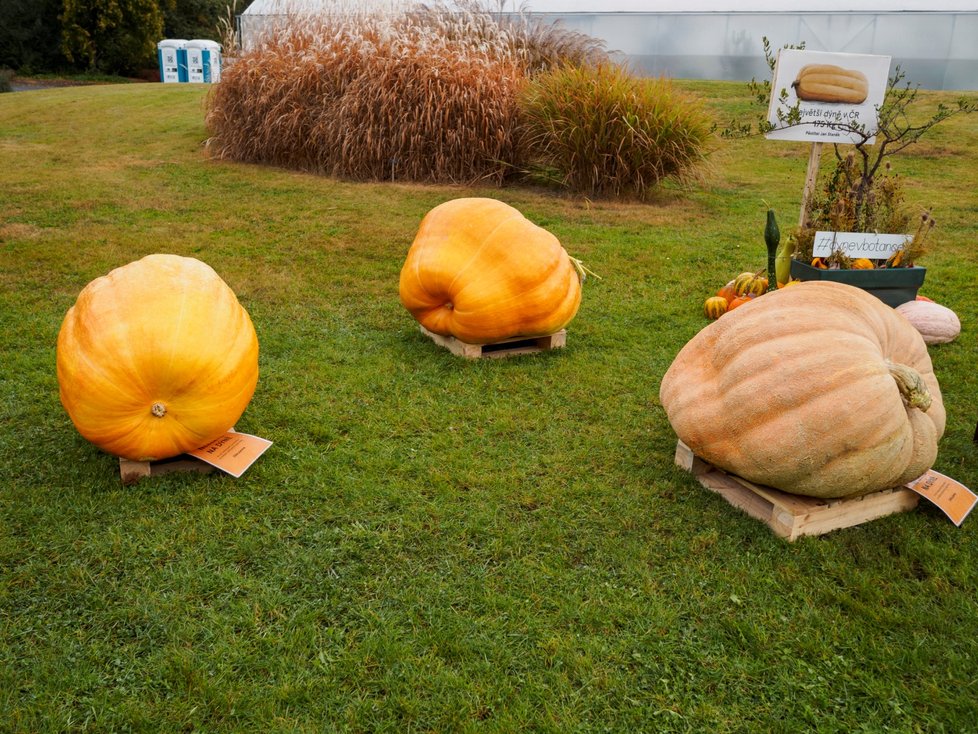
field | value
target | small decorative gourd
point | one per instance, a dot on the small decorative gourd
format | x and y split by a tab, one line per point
156	358
715	307
937	324
480	271
819	389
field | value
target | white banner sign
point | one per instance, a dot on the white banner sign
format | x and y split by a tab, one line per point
832	91
858	244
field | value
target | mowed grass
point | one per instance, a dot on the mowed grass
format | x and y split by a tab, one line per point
433	544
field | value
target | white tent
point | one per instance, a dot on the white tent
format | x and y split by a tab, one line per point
935	43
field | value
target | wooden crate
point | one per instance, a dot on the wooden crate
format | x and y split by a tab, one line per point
504	348
790	515
132	471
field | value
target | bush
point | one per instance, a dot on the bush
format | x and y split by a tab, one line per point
601	131
111	37
30	35
193	18
430	95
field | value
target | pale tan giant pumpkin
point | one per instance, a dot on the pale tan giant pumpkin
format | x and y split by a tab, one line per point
819	390
156	358
480	271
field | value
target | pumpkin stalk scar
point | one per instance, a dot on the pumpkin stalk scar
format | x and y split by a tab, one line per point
582	270
912	388
158	409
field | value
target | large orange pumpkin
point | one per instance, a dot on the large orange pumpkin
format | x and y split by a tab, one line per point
819	389
156	358
480	271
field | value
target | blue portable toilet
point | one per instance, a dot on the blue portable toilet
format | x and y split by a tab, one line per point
172	56
203	61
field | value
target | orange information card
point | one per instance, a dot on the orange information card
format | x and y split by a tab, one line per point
953	498
233	452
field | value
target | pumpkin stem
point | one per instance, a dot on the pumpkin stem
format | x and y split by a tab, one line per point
912	388
158	409
582	270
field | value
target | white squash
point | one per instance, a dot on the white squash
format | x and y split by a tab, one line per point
936	323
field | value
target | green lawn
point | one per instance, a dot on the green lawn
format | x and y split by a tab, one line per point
433	544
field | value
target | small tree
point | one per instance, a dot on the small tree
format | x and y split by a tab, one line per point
862	194
193	18
114	36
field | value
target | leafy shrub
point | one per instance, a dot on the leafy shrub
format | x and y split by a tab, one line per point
601	131
30	35
111	37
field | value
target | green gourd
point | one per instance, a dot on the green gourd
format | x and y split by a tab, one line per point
772	237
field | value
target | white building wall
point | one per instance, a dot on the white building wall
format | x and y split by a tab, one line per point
935	43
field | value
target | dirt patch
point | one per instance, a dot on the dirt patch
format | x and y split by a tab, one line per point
17	231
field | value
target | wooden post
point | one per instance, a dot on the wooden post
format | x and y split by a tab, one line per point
810	178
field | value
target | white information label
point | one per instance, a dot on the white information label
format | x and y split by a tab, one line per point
858	244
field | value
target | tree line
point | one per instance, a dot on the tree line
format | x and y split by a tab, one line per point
104	36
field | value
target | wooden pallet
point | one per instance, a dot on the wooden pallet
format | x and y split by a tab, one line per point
791	516
504	348
132	471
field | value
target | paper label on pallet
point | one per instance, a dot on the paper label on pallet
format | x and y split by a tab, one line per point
951	497
233	452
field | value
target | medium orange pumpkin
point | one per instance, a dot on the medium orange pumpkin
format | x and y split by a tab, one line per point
156	358
480	271
728	291
819	389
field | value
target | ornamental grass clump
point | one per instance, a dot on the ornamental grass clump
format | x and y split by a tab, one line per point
424	95
601	131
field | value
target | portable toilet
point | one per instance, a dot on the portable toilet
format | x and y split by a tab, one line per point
203	61
172	56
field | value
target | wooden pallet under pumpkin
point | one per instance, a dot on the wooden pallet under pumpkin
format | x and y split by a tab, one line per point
504	348
132	471
791	516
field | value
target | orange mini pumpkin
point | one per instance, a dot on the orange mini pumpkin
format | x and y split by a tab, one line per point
740	301
156	358
728	291
480	271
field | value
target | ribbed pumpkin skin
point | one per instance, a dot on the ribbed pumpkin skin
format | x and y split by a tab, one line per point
480	271
793	390
163	332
